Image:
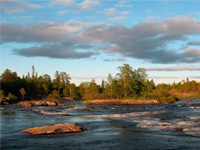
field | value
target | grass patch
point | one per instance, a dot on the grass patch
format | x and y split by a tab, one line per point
85	101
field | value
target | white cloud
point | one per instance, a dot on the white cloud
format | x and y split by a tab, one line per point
192	51
182	68
62	12
75	6
88	4
62	2
123	4
42	31
118	59
17	6
117	18
114	11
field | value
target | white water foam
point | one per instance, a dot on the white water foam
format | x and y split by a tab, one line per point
194	107
75	108
190	125
51	113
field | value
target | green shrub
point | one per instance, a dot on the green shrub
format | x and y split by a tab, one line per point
160	95
12	97
54	94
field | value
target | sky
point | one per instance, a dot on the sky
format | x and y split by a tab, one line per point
90	38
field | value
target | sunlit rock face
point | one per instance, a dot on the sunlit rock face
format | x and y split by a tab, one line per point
38	103
56	129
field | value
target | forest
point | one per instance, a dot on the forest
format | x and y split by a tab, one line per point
129	83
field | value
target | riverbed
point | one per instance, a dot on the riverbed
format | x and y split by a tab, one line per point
158	126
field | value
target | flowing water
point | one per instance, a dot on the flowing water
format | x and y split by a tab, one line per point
163	126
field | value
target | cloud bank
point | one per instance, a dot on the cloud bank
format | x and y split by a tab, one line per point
183	68
61	51
118	59
148	40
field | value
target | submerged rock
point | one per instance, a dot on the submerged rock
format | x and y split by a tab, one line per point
56	129
88	109
60	104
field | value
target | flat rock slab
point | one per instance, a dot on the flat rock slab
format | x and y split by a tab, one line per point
56	129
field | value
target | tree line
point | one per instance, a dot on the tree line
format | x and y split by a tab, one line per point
128	83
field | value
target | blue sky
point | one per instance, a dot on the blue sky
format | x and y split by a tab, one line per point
91	38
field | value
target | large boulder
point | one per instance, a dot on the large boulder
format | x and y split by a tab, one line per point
49	103
55	129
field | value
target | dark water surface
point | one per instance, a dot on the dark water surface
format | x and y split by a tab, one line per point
164	126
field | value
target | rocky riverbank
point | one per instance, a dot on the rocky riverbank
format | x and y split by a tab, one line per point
38	103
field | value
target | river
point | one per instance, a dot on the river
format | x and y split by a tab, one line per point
146	127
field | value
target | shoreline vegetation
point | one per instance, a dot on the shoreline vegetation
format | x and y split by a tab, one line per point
128	86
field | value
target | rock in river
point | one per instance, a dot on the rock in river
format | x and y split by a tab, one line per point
55	129
38	103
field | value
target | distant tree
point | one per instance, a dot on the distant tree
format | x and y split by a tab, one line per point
57	81
89	90
45	88
47	78
23	92
198	88
117	89
110	85
64	78
33	72
66	92
102	88
72	90
140	76
127	83
10	82
54	94
2	94
82	89
125	74
149	85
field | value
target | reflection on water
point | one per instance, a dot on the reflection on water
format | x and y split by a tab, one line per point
109	126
